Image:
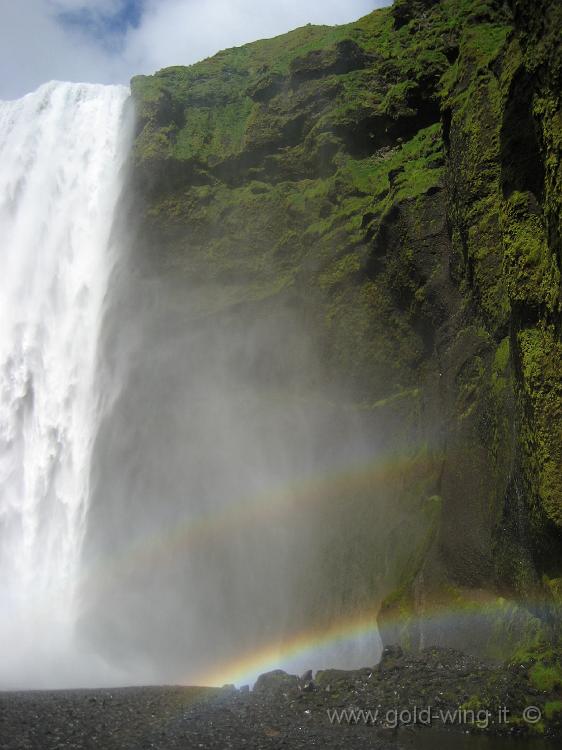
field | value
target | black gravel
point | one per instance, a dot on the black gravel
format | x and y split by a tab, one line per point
282	711
167	718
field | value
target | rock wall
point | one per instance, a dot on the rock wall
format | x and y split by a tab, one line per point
396	183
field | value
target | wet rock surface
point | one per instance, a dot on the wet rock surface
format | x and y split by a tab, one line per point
395	183
285	712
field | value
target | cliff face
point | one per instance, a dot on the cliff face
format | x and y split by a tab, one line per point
396	183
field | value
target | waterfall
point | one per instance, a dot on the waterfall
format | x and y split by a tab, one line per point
62	151
178	496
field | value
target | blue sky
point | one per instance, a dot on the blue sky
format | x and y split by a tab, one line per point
103	25
108	41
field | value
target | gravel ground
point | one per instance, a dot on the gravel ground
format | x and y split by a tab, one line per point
282	711
167	718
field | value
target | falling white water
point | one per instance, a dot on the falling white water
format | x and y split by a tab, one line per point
62	151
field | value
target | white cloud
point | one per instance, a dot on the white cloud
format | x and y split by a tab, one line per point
35	46
183	31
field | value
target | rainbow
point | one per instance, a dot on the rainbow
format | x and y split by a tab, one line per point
316	643
295	649
265	508
300	650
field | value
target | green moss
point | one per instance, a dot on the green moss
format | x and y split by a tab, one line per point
500	369
546	678
209	131
501	359
552	709
474	703
533	277
361	176
541	358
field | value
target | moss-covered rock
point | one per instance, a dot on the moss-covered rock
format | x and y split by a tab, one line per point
396	182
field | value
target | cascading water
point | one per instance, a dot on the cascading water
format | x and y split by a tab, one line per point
62	151
179	485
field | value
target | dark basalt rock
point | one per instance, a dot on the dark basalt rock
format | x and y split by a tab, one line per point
396	184
277	682
345	57
405	11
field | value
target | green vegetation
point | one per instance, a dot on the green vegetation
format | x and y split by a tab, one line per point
553	709
396	183
546	678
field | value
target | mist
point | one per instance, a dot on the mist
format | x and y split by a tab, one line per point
203	498
235	504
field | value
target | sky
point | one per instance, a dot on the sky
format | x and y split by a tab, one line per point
108	41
